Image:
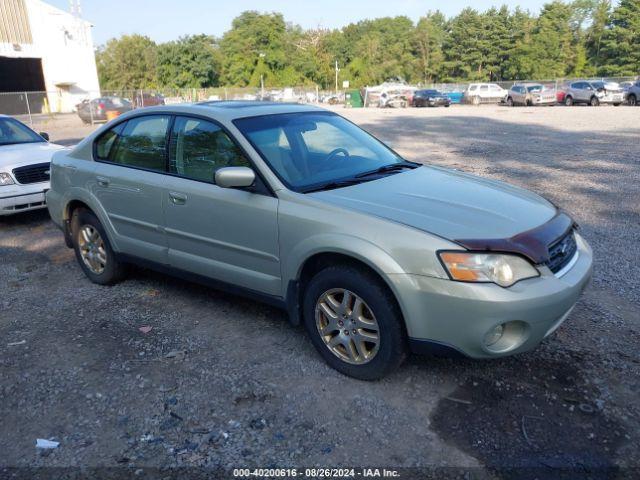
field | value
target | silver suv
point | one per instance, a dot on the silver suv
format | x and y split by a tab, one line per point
593	93
377	256
529	94
632	95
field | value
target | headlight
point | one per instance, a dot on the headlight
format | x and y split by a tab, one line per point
501	269
5	179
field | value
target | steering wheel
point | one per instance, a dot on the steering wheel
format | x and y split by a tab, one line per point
336	152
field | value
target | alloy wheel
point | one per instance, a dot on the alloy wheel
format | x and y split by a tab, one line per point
347	326
92	249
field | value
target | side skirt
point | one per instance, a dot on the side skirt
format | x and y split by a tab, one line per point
272	300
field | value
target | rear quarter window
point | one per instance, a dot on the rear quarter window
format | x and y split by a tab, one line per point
105	143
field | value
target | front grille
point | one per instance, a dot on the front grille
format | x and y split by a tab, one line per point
37	173
561	252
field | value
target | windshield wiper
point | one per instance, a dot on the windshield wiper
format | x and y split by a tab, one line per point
389	168
333	185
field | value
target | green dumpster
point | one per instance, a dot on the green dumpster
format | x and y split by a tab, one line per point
353	99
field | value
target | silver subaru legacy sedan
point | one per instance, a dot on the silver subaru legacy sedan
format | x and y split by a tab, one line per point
292	204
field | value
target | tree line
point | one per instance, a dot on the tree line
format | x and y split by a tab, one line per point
565	39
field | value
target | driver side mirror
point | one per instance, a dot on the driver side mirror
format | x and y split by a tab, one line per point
44	135
235	177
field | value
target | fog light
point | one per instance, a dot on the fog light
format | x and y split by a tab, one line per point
494	335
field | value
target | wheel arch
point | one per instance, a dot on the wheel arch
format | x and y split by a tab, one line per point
317	261
80	198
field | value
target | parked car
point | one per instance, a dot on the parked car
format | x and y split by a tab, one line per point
299	207
25	158
95	110
632	95
146	99
593	92
530	94
430	98
392	100
477	93
626	85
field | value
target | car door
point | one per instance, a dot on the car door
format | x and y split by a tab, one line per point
584	92
128	181
517	95
226	234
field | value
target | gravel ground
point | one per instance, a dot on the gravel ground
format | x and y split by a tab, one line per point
220	381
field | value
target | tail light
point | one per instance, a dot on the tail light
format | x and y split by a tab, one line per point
101	106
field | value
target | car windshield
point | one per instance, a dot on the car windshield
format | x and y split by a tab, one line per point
535	88
13	132
317	150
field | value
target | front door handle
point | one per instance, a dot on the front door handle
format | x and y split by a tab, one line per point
178	198
102	181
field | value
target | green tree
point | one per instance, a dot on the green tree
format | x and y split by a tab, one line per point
620	48
428	38
519	61
255	38
596	30
552	50
464	56
190	62
127	63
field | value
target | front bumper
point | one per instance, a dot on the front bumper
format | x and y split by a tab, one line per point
437	102
544	101
22	198
613	98
457	316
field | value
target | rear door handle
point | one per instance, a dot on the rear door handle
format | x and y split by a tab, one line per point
102	181
178	198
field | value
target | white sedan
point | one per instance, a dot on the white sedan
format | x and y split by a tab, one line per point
24	167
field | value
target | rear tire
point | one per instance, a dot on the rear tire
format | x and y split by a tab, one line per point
568	101
93	250
338	288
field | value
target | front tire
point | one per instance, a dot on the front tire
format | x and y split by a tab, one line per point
632	100
354	322
510	102
594	102
93	250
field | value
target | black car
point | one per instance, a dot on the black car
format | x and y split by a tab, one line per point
95	110
430	98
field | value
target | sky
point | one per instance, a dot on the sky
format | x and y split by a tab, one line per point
165	20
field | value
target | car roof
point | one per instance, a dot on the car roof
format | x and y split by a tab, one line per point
230	109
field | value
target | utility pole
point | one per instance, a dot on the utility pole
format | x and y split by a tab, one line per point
337	71
261	62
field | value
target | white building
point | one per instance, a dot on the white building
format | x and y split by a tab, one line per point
45	49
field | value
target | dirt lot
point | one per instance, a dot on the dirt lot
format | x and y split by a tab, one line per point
223	382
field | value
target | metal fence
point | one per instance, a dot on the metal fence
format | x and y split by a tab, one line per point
36	107
33	105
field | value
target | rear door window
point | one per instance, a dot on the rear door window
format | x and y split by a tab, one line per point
140	144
